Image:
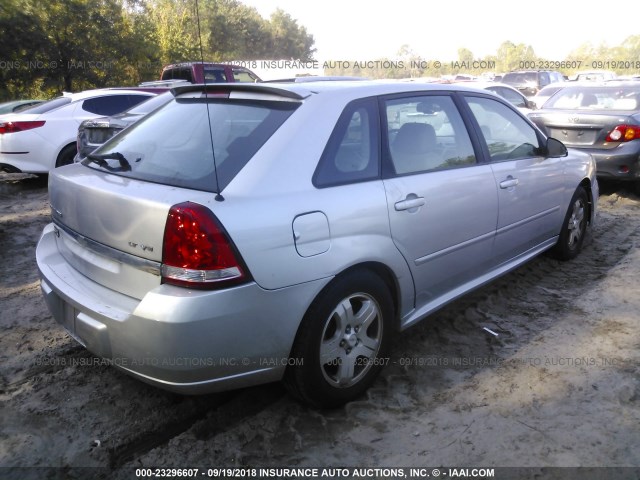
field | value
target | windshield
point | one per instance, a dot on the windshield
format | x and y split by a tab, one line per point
172	146
596	98
520	78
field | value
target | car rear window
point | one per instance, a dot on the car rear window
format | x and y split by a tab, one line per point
50	105
173	145
520	78
150	105
596	98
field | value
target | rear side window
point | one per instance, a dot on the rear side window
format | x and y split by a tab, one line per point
215	75
173	145
112	104
352	153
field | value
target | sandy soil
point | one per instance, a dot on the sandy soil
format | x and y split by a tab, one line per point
559	386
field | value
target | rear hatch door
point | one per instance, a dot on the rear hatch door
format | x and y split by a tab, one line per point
111	228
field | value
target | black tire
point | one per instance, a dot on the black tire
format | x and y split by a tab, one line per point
354	350
66	155
574	227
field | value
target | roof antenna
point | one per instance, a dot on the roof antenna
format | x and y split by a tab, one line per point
218	197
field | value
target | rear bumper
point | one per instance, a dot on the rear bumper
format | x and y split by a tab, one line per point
181	340
620	163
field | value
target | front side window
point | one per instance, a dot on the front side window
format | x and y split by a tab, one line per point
507	134
243	76
351	154
176	145
544	79
426	133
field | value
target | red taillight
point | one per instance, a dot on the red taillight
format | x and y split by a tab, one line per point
624	133
12	127
197	252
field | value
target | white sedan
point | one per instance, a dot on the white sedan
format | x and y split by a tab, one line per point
44	137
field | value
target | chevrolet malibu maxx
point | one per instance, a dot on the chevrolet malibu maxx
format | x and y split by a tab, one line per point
244	234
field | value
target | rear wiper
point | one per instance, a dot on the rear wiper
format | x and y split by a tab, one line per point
101	160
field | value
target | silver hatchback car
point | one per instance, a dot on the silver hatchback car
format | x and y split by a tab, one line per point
244	234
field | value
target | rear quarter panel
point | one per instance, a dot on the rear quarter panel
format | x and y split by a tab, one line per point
275	187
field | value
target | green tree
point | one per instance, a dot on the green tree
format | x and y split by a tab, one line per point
511	56
64	46
288	39
465	55
174	29
236	32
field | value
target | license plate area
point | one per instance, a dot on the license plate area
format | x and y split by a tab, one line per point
574	136
69	315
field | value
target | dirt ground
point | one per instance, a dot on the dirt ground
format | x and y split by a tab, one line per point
558	387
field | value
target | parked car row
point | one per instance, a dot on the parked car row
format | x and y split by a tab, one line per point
50	135
243	234
284	231
600	119
44	136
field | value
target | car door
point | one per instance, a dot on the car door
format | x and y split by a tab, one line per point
442	202
530	186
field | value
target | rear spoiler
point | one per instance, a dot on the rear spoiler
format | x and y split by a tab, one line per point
285	93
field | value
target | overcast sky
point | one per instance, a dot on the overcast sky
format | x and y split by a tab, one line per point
435	30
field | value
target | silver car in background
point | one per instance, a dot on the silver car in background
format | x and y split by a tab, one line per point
244	234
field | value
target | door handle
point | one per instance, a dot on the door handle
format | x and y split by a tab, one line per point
412	202
509	182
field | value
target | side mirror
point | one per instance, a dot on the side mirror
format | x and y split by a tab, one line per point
555	148
531	105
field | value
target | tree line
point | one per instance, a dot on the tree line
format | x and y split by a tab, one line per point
73	45
623	59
